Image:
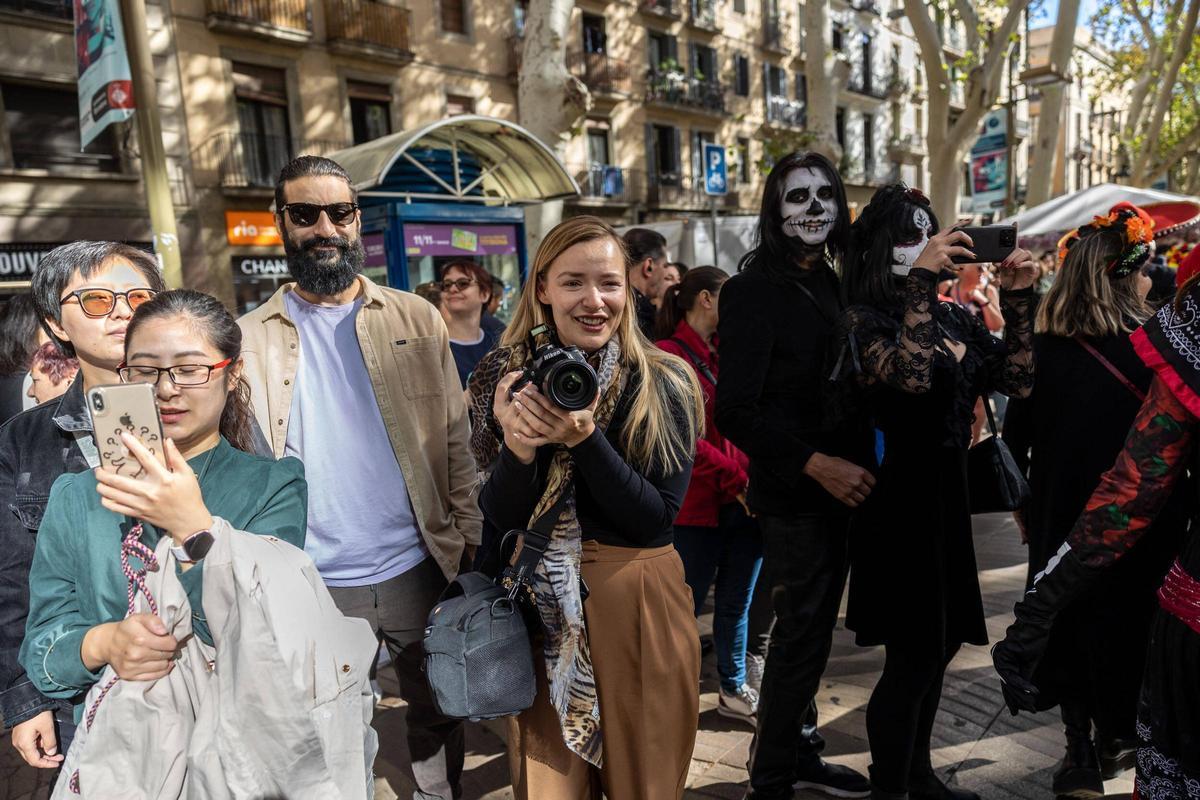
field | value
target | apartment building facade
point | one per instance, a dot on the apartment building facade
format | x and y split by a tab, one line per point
246	84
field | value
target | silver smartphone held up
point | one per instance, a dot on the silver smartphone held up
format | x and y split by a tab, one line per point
125	408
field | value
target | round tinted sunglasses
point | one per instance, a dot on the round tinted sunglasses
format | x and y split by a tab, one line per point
461	284
101	302
307	214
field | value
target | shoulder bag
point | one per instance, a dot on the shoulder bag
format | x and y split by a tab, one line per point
994	483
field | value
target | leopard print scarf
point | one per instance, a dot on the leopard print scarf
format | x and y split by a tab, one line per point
556	581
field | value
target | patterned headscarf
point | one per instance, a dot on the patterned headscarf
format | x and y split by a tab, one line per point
1137	235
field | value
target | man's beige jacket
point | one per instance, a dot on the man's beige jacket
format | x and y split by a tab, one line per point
406	348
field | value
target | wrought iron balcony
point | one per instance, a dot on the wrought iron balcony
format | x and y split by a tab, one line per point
867	87
600	72
775	34
674	190
286	20
676	89
661	8
367	26
782	111
250	160
906	149
703	14
605	183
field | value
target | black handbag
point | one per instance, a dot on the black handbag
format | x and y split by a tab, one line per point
478	652
994	483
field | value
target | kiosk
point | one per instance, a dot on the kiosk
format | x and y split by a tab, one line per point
451	189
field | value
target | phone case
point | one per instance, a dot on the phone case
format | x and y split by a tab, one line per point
125	407
993	243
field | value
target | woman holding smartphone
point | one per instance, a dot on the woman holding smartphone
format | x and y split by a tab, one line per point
188	347
914	587
617	703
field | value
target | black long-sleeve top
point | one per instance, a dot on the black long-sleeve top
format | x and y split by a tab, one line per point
776	352
615	503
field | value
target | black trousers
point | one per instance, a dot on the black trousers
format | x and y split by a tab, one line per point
804	564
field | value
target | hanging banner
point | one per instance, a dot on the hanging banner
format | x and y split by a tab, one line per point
989	163
105	85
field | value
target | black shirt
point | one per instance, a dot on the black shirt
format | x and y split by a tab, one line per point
776	348
615	503
646	312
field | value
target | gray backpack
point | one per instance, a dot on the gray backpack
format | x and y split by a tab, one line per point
478	653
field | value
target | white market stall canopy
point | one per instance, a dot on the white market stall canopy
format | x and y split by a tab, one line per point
1072	210
459	159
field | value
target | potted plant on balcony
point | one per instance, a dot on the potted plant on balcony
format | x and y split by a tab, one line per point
669	81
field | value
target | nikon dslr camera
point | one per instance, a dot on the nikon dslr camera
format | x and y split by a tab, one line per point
560	373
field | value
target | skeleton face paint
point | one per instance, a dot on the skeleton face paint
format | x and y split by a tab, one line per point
904	254
809	208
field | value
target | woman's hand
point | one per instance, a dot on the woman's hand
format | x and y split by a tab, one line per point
1018	271
138	648
519	438
167	497
551	424
941	249
36	741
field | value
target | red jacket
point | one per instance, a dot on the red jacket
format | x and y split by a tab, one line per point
719	472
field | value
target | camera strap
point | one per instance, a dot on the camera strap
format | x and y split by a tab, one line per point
692	356
534	543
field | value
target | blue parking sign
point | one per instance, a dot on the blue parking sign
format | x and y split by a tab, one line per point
715	179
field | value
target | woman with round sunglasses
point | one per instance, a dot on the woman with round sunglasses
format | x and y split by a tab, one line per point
188	347
466	292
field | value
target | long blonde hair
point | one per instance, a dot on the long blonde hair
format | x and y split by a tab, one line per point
1084	300
654	434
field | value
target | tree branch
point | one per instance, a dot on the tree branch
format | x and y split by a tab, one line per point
983	85
970	20
1166	84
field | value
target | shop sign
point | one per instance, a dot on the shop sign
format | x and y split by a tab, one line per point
459	240
989	163
20	260
376	250
260	267
252	228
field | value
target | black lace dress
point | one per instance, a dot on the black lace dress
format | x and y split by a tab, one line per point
913	575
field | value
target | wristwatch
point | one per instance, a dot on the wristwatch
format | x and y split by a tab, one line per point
194	548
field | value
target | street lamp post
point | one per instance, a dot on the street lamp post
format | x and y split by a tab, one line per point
153	157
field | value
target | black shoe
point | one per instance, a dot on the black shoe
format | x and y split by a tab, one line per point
1117	756
928	786
1078	775
832	779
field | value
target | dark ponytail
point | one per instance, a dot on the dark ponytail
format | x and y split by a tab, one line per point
679	298
222	332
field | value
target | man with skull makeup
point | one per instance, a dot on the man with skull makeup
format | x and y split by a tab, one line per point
778	319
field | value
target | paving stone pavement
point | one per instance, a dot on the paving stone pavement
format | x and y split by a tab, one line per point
976	741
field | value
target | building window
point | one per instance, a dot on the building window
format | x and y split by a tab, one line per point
741	68
520	15
663	153
663	53
739	6
458	104
454	16
868	78
264	136
838	37
595	39
43	127
743	149
869	144
598	146
776	81
704	63
370	110
699	139
840	125
802	87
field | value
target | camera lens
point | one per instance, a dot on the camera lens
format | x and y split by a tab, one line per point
572	386
98	402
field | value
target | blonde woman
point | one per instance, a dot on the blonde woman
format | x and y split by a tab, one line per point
1090	384
617	703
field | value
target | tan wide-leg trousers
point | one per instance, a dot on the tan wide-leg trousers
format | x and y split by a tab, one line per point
646	655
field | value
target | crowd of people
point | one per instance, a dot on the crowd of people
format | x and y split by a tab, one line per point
765	437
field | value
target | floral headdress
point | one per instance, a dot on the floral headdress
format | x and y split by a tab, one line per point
1137	232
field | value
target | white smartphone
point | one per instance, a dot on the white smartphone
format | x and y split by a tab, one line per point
125	407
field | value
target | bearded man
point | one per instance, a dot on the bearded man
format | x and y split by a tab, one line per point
777	328
357	381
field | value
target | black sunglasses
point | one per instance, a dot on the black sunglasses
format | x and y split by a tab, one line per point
307	214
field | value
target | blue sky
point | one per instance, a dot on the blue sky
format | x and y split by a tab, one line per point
1049	13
